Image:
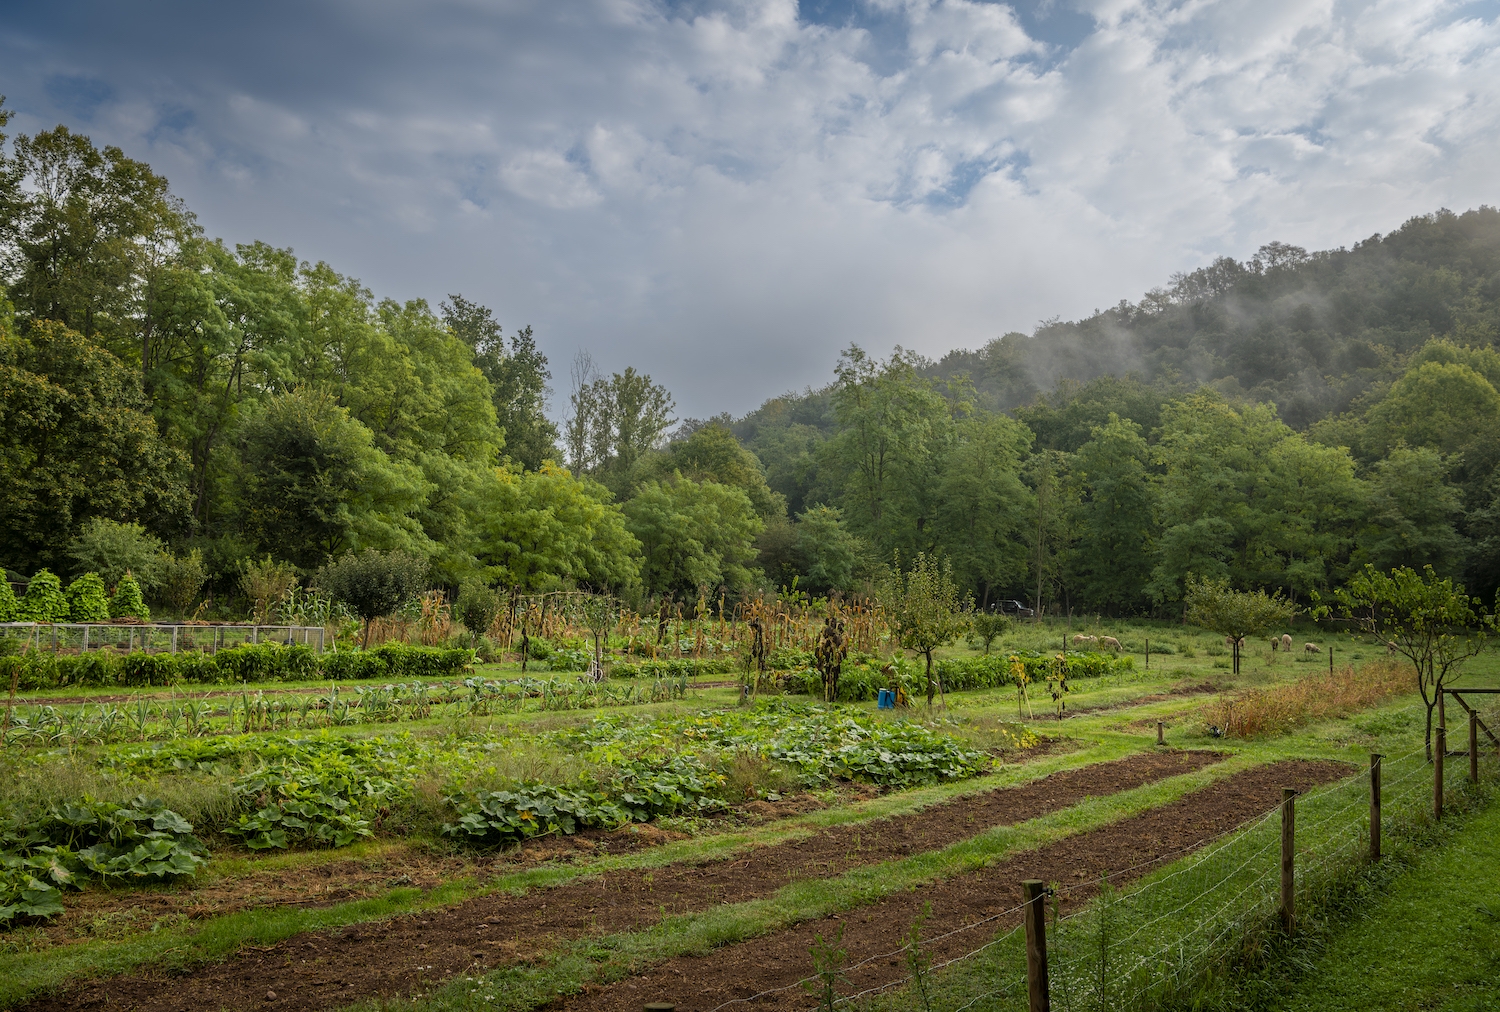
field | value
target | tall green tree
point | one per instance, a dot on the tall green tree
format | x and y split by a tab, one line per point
518	376
1114	518
1411	514
979	519
693	536
76	441
315	486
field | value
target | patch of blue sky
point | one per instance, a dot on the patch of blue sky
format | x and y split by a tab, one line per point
78	95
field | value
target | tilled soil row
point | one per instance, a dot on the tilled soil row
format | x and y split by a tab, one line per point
1123	851
387	958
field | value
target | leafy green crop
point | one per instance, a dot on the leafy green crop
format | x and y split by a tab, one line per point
74	842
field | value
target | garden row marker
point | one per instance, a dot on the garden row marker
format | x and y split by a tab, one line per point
1437	772
1034	895
1375	758
1288	855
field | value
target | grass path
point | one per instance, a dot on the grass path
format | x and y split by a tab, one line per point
1431	943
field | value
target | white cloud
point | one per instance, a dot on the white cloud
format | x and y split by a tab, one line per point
724	195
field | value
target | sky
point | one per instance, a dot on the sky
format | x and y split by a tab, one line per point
725	193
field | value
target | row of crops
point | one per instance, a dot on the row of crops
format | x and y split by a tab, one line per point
327	789
148	719
864	676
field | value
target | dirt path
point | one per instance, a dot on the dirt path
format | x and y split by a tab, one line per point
387	958
1125	851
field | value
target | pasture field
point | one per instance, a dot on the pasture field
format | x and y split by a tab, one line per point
553	843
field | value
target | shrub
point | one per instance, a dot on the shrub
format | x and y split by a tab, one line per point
127	600
673	667
374	584
10	608
112	549
44	600
179	578
1281	708
266	583
477	606
88	599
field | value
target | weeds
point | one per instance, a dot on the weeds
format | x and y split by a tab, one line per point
1279	708
828	959
918	961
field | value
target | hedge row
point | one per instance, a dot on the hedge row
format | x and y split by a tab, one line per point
863	682
251	664
674	667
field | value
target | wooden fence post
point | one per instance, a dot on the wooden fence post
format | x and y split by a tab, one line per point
1148	655
1035	894
1437	772
1288	857
1161	738
1375	758
1473	746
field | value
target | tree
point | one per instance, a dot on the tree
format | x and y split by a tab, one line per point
476	608
1411	513
314	485
712	453
979	519
614	422
986	627
924	609
693	535
1114	516
518	376
111	549
180	578
1435	404
825	550
1428	619
373	583
76	442
266	584
542	529
1235	614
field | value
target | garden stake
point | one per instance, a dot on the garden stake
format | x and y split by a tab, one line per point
1035	897
1288	856
1375	758
1160	733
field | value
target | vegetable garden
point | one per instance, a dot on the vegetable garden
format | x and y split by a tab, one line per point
689	816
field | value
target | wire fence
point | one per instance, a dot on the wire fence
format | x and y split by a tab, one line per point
1165	938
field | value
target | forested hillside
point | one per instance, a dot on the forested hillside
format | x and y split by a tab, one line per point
188	408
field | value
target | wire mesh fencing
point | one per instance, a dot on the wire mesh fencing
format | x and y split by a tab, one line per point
1176	926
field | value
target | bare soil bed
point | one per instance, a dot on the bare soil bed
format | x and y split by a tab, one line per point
395	957
1124	851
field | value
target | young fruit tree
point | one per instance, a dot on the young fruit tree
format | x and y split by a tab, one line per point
373	583
1429	621
1234	614
924	609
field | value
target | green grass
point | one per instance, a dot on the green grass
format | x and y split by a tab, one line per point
1431	941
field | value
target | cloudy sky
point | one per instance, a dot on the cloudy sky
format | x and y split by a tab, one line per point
725	192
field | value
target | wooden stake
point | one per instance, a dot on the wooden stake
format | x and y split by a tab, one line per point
1160	733
1035	897
1473	747
1375	758
1288	857
1437	772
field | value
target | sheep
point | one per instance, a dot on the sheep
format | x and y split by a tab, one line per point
1110	642
1275	642
1311	648
1286	641
1084	638
1229	641
1390	648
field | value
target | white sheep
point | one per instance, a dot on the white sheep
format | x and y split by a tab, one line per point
1286	641
1311	648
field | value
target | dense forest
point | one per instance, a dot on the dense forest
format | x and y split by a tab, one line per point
195	408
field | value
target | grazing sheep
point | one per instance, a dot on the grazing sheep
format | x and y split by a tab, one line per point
1275	642
1082	638
1110	642
1311	648
1286	641
1229	641
1390	649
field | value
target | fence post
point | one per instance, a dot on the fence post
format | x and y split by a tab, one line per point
1473	746
1288	856
174	639
1375	758
85	648
1148	655
1437	772
1035	895
1161	738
